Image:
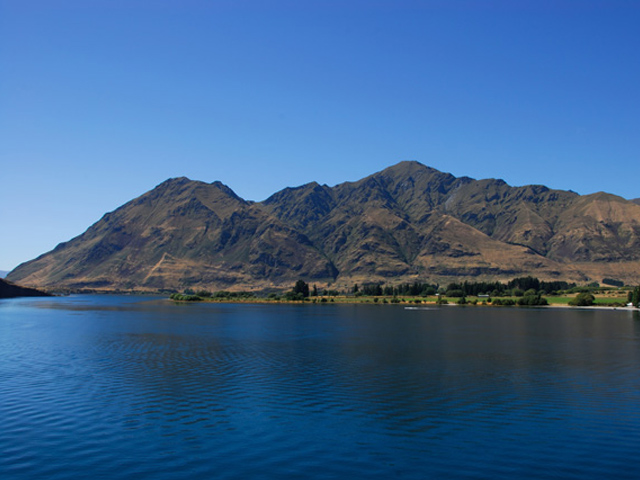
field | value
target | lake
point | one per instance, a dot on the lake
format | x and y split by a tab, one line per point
124	387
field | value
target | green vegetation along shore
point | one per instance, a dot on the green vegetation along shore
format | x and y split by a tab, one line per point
523	291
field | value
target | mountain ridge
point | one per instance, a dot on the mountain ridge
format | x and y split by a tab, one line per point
406	222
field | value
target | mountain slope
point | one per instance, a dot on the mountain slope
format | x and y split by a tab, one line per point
406	222
9	290
181	233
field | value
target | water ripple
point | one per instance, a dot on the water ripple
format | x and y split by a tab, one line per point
121	388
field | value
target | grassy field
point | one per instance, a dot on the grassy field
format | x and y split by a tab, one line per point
602	300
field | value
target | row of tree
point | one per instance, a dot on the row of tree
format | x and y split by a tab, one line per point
528	289
516	287
519	287
408	289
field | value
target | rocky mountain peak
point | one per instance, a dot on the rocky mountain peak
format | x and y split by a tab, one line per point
406	222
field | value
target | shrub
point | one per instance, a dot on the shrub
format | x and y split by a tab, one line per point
532	300
293	296
180	297
583	300
505	302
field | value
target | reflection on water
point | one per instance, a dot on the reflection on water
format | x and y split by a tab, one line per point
124	386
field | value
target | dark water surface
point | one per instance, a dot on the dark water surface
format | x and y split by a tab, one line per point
135	387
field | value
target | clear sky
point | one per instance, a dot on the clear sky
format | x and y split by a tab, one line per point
102	100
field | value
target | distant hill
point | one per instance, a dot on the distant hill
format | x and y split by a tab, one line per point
636	201
405	223
9	290
3	273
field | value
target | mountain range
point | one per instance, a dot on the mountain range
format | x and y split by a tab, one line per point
408	222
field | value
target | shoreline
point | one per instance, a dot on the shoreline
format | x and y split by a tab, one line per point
406	304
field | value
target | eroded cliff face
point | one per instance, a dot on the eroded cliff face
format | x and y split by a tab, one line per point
406	222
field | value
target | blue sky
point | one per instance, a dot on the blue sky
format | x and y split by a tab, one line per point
100	101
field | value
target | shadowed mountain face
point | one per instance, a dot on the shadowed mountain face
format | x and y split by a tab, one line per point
9	290
405	223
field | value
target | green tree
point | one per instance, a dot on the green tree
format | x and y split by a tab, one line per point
456	293
532	300
428	291
584	299
634	296
302	288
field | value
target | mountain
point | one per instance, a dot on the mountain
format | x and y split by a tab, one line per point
408	222
181	233
3	273
9	290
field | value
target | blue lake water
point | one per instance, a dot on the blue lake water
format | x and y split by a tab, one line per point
137	387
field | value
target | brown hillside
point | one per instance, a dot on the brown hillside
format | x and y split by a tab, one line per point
404	223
